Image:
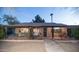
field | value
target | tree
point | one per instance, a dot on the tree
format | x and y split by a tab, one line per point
38	19
0	20
10	19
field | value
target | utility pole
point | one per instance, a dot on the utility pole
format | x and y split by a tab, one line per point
51	17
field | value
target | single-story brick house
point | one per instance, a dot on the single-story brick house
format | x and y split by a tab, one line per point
40	30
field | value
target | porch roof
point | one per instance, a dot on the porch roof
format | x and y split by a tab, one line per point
37	25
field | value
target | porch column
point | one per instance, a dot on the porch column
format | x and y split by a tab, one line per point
31	32
45	31
52	31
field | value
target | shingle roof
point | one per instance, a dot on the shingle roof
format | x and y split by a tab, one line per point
39	24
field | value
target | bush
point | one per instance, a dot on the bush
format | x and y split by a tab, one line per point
75	33
2	33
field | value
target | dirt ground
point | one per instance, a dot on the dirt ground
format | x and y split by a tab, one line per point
22	46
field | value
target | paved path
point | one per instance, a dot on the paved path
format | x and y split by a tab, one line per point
62	45
70	46
52	46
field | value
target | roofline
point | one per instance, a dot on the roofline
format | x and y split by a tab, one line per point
44	25
37	25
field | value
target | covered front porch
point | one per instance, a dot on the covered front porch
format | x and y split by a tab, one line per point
38	31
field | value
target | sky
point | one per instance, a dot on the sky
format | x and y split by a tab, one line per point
64	15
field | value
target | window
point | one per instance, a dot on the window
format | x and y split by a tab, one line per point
24	30
36	31
57	30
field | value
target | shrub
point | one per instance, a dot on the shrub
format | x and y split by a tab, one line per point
2	33
75	33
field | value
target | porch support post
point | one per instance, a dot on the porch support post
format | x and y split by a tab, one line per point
52	32
44	31
30	32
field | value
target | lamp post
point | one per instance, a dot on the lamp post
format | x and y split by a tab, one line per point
51	17
52	27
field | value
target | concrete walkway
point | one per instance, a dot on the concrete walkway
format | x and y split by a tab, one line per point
69	45
62	45
52	46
